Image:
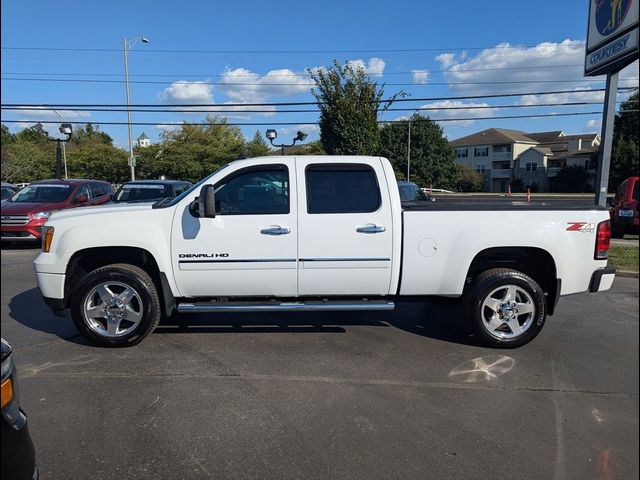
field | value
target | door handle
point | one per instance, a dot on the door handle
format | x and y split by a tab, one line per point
371	228
275	230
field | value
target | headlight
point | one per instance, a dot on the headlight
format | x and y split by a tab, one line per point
47	238
39	215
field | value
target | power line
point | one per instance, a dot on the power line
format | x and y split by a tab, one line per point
298	84
276	52
96	122
293	74
30	108
289	104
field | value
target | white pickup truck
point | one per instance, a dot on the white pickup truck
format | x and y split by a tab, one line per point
316	233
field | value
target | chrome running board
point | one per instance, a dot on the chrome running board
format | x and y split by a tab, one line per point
311	306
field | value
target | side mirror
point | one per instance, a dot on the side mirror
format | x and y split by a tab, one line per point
81	199
207	202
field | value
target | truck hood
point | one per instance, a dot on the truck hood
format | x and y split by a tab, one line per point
107	209
26	208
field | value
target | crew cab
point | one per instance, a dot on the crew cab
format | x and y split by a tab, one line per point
24	213
625	208
317	233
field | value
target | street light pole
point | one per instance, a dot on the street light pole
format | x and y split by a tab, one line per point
128	46
64	149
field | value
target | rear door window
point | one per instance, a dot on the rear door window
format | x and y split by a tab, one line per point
342	188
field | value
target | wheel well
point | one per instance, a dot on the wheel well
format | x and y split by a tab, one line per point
87	260
534	262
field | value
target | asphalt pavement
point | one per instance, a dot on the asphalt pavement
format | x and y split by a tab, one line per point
402	394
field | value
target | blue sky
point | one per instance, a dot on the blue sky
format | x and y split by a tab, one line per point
426	49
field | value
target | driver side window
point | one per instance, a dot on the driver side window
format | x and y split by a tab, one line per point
260	190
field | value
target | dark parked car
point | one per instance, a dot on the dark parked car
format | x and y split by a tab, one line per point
410	193
18	452
25	213
149	190
8	189
625	217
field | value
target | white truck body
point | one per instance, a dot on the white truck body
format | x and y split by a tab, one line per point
386	252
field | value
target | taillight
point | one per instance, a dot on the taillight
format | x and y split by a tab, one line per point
603	240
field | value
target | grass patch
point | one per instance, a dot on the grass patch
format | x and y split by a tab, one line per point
624	258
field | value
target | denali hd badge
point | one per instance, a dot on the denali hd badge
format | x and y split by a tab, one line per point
203	255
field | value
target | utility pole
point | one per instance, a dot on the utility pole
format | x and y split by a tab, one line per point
128	46
604	157
409	152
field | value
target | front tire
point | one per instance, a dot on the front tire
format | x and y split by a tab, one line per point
506	308
116	305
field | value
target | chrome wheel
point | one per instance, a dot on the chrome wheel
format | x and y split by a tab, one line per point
113	309
508	312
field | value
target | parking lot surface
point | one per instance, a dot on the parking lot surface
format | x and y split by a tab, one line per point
400	395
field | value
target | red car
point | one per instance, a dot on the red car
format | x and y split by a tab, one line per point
624	208
23	215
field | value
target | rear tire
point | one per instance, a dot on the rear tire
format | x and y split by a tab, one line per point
506	308
116	306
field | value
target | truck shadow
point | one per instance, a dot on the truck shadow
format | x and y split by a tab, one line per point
29	309
439	319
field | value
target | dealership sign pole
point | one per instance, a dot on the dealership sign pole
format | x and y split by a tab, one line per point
612	44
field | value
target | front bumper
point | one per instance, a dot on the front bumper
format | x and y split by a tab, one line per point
29	231
51	286
18	453
602	279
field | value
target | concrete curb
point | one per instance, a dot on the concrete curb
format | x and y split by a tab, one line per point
626	273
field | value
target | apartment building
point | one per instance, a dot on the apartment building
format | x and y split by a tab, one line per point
503	156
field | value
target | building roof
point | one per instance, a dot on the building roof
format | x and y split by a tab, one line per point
143	137
585	151
581	136
493	135
546	137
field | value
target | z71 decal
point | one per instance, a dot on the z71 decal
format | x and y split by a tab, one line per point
583	227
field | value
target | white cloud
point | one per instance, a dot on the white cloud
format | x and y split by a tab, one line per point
244	86
420	76
45	113
537	68
594	123
308	128
183	91
375	66
457	109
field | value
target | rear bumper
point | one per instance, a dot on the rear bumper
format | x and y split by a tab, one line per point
602	279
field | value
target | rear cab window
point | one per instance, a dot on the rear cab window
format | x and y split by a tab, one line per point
342	188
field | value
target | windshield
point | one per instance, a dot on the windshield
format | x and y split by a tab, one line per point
142	192
187	192
42	193
7	192
411	193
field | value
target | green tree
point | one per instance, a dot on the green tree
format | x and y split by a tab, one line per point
626	140
24	161
90	134
98	161
7	136
468	180
350	103
257	147
432	158
572	179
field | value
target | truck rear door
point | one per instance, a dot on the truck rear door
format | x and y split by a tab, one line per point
344	228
